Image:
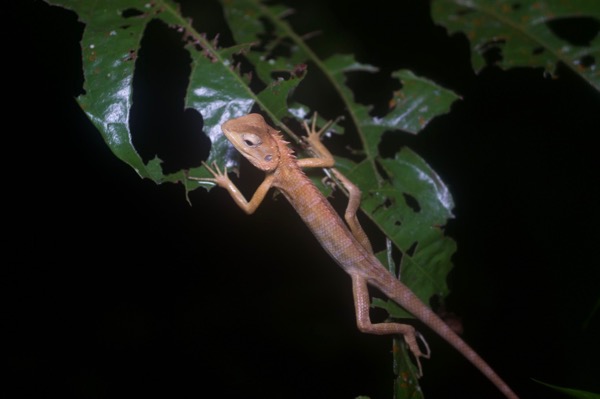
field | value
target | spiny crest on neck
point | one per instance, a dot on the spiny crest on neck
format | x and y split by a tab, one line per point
284	148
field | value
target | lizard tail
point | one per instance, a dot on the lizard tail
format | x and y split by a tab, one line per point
408	300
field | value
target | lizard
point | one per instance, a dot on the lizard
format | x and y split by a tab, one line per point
346	243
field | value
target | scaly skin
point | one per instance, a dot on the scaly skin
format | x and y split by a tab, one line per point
347	243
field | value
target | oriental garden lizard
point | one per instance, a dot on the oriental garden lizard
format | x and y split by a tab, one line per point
346	243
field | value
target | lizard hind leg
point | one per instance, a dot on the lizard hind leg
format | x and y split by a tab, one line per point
363	321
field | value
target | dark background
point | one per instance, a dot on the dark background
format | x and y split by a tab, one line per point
116	287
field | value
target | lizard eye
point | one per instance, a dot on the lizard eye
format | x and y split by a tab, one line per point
251	140
269	158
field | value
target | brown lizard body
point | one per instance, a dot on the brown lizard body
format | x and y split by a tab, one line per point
347	243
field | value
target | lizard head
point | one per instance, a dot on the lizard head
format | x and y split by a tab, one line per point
254	139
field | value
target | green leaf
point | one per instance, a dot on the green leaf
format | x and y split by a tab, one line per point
111	40
411	208
253	22
218	92
413	106
522	30
573	393
417	103
418	234
426	252
403	196
250	19
336	67
109	47
406	384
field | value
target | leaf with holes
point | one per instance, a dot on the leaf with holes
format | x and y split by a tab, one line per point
527	32
112	36
387	200
278	53
402	196
404	203
411	207
278	50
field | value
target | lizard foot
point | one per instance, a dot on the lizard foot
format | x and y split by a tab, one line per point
219	176
312	134
412	342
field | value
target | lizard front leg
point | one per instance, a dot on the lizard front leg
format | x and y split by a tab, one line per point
354	196
363	321
222	180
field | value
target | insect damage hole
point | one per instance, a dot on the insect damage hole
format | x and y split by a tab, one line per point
161	126
131	13
412	202
578	31
587	61
412	249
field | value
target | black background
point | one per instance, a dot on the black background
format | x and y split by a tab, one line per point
116	287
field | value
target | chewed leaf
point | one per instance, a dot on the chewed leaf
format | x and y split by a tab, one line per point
417	103
219	93
216	90
336	68
109	45
265	26
403	196
524	33
412	108
278	53
411	208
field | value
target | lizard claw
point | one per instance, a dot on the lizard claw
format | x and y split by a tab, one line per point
413	345
329	182
427	353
